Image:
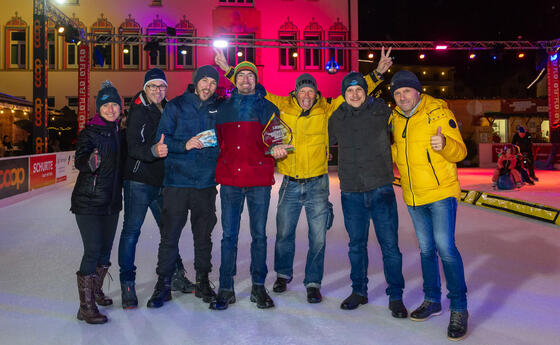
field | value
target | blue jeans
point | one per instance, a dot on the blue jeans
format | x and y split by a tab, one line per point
232	199
292	197
138	197
379	205
435	228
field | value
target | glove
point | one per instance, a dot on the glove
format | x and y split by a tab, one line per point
94	160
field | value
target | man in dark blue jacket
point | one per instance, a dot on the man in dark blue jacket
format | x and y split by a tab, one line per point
189	182
143	177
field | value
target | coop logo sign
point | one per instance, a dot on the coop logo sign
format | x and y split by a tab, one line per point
13	177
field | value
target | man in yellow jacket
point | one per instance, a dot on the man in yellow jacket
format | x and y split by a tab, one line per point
306	180
427	146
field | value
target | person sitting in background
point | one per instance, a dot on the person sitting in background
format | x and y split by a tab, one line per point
506	164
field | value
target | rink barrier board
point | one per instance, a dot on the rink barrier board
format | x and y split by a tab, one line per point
500	203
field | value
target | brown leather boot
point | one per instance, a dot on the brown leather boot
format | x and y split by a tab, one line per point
88	311
100	297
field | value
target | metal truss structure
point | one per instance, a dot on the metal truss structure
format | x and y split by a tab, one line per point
47	8
119	38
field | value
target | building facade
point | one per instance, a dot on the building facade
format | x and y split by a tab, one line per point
125	64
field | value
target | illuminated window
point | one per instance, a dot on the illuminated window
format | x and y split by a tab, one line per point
16	36
242	52
288	56
338	32
157	52
129	51
312	55
101	50
185	53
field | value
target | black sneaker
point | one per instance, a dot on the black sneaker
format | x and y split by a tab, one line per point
204	288
260	296
180	282
426	310
353	301
398	309
222	300
457	329
128	295
314	295
281	284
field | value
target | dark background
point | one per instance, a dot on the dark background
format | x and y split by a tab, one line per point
474	20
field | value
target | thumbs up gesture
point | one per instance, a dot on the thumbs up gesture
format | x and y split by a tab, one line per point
161	147
437	141
94	160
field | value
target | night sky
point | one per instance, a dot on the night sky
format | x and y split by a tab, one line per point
401	20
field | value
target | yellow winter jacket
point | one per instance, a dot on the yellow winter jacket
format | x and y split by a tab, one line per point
310	132
426	175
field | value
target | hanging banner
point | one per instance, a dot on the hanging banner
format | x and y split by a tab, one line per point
553	98
83	85
39	131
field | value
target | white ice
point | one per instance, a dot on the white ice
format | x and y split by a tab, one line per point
511	265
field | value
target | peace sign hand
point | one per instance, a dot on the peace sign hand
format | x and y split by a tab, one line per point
385	61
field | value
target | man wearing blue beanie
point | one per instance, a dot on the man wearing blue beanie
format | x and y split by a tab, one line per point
365	171
427	146
189	184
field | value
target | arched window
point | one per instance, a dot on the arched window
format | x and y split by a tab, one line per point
102	52
185	54
156	53
129	51
312	56
71	49
338	32
288	56
16	43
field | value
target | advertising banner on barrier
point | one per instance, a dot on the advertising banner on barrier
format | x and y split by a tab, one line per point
13	177
42	171
553	98
65	170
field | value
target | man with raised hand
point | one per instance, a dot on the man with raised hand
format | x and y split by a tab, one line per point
365	170
306	182
427	146
189	183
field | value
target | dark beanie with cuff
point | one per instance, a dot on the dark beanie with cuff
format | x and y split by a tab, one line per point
305	80
203	72
107	94
405	79
155	74
352	79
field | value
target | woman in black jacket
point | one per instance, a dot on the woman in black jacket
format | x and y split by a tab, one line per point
97	199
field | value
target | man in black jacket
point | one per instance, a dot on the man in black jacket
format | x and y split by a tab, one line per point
143	178
525	143
365	170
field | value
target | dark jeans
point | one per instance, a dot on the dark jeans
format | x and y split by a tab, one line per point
98	233
434	224
176	205
379	205
258	200
138	197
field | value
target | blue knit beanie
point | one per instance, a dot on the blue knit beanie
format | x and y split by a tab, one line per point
108	93
205	71
405	79
351	79
155	74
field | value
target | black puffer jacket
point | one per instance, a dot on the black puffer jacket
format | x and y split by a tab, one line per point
99	192
142	123
364	150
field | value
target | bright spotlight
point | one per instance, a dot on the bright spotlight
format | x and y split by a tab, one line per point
240	54
441	47
125	51
472	56
521	55
295	55
220	44
370	56
554	57
422	56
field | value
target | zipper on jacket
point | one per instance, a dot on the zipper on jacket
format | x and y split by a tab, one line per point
136	166
406	157
94	183
431	165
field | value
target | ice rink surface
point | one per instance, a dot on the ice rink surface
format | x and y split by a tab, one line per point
511	265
